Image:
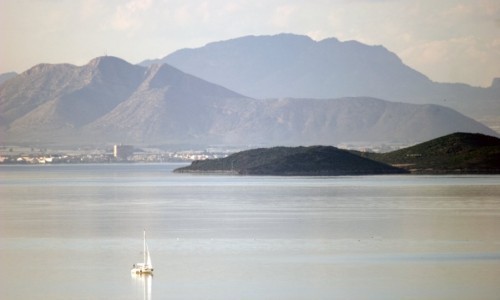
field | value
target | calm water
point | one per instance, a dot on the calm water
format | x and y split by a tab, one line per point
74	231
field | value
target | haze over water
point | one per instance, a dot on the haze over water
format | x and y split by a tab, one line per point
74	231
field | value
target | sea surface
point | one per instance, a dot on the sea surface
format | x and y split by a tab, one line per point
74	231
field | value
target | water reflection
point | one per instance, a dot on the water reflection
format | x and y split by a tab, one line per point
143	285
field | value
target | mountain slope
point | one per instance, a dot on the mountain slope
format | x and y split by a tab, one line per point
176	115
168	105
6	76
298	161
288	65
58	96
332	121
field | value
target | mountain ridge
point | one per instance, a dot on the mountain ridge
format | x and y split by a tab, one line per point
286	54
110	100
268	67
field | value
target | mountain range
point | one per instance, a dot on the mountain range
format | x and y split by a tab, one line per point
110	100
288	65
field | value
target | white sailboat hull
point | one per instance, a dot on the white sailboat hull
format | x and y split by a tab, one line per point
142	270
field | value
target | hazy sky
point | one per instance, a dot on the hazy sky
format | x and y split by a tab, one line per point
447	40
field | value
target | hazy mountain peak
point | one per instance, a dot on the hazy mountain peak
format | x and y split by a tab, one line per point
282	38
289	65
55	96
113	66
102	62
331	40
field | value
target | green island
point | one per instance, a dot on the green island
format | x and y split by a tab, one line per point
458	153
292	161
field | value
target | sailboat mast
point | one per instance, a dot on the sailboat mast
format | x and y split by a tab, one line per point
144	247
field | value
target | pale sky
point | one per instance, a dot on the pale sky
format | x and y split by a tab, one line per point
447	40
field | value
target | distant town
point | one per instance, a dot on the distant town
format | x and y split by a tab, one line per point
132	154
112	154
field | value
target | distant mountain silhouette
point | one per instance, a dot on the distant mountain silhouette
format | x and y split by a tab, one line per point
110	100
288	65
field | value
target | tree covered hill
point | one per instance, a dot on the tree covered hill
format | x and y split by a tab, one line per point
296	161
457	153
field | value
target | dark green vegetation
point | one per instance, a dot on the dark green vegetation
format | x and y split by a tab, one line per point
458	153
308	161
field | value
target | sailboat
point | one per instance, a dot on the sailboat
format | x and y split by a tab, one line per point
144	267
